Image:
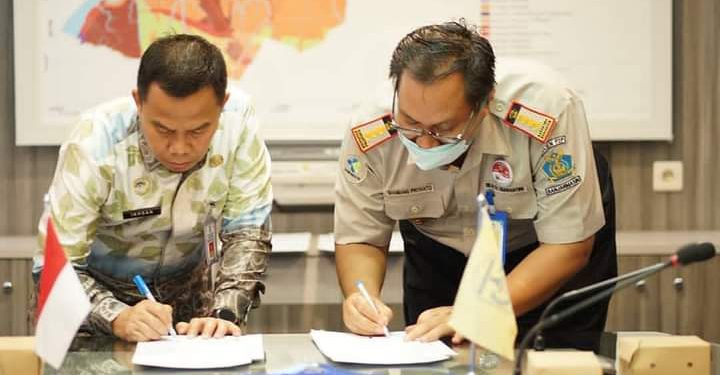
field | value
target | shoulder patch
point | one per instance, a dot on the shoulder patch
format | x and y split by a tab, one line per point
373	133
355	170
551	190
558	166
554	142
529	121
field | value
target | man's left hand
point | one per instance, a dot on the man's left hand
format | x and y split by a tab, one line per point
208	327
431	325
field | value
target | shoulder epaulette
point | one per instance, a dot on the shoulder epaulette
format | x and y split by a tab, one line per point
373	133
532	122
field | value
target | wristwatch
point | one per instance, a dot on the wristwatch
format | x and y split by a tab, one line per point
225	314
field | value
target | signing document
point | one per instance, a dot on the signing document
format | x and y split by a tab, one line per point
199	353
378	350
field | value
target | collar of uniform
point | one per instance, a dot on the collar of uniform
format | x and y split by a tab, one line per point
151	162
489	139
149	159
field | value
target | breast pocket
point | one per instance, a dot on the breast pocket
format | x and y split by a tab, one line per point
414	206
519	205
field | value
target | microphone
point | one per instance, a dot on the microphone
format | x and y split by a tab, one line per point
688	254
692	253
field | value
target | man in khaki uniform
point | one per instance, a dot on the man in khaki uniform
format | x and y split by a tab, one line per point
145	185
454	134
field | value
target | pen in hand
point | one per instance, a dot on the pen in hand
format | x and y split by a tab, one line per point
144	290
361	287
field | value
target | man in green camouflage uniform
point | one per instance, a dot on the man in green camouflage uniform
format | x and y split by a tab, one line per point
141	188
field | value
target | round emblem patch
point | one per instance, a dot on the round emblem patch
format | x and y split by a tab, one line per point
502	173
141	186
355	169
215	160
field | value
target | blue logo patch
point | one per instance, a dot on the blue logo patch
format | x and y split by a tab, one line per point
355	169
558	166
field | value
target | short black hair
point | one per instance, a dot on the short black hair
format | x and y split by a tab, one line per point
182	65
433	52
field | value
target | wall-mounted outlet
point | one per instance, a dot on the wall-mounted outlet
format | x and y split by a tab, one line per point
667	176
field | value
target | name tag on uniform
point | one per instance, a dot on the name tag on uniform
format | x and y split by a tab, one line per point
210	239
142	212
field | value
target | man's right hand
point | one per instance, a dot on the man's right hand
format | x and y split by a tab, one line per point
145	321
361	318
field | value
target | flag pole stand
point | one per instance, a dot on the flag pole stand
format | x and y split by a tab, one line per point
487	359
472	359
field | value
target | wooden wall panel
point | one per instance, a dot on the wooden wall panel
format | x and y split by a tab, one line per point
636	308
14	297
7	142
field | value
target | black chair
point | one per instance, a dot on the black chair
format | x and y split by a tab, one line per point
601	266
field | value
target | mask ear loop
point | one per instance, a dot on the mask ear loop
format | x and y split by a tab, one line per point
395	91
473	119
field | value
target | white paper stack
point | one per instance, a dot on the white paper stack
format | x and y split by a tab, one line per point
378	350
326	243
198	352
291	242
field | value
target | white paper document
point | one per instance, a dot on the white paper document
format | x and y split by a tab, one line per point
326	242
198	352
378	350
291	242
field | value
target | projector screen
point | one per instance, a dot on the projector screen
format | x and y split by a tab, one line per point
311	64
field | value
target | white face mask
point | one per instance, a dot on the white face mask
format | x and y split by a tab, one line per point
435	157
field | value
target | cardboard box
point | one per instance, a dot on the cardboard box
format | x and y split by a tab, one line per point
559	362
17	355
663	355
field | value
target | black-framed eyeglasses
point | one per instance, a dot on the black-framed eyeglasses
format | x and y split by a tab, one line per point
412	133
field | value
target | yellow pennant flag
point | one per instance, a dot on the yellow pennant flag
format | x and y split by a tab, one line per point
483	311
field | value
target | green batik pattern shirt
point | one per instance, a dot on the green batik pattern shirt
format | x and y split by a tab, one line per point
118	212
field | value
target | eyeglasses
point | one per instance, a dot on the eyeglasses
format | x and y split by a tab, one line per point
412	133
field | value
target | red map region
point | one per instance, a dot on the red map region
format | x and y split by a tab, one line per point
237	27
111	25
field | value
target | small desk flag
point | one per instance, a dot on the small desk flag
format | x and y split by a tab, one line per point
62	303
483	311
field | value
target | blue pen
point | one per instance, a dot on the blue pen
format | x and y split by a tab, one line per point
144	290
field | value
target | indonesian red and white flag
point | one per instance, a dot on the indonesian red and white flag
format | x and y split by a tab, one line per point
62	303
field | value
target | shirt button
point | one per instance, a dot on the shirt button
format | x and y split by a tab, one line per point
468	231
414	209
499	107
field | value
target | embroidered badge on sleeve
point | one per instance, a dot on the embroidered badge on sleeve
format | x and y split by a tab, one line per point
355	169
558	165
